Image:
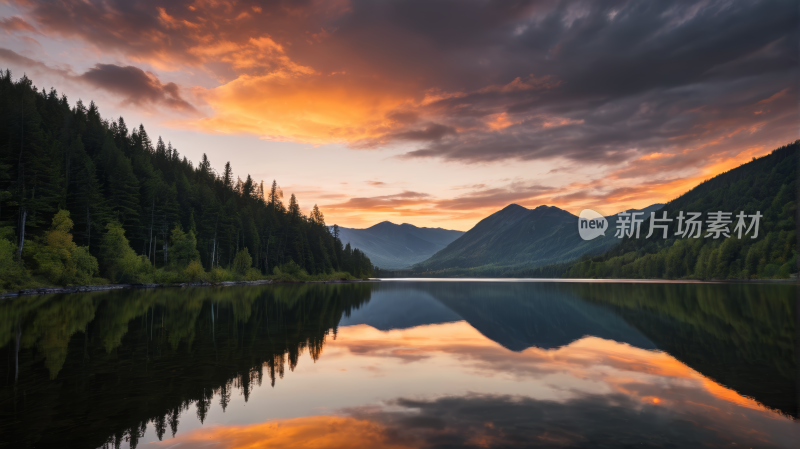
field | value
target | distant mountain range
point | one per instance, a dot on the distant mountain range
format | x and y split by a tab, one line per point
516	236
393	246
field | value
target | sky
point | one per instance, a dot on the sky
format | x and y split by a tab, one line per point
434	113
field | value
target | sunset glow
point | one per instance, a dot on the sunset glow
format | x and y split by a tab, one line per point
560	103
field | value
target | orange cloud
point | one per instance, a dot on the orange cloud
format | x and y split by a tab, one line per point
295	105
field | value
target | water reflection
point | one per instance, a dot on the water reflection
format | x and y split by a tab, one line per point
419	364
99	367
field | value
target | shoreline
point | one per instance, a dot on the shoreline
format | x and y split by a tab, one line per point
107	287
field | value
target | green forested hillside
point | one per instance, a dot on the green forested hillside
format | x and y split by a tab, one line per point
515	242
767	185
135	204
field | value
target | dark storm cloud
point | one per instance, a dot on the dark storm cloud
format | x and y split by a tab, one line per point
588	421
135	86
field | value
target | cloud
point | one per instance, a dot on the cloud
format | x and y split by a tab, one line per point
36	67
393	202
483	197
488	81
136	86
434	131
302	108
132	84
16	24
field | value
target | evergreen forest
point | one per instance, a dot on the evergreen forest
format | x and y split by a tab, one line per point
88	200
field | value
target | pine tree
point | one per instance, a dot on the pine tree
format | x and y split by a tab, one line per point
227	176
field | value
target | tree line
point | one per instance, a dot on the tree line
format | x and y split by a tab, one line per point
76	186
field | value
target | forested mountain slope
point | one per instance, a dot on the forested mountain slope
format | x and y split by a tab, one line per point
520	237
390	245
767	185
56	157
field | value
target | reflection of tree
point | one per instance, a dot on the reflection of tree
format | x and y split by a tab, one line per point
740	335
146	356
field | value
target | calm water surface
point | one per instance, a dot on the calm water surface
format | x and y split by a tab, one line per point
404	365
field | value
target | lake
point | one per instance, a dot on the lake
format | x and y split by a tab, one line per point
404	364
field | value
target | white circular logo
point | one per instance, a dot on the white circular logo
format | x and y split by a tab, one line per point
591	224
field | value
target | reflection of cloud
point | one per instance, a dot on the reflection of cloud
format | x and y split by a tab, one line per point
614	420
486	420
609	395
308	432
620	367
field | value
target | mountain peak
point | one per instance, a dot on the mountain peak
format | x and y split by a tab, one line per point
383	224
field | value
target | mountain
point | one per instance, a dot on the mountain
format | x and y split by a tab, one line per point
519	237
767	185
389	245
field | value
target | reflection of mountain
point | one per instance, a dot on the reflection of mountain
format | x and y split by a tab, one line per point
96	368
741	336
395	306
516	315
